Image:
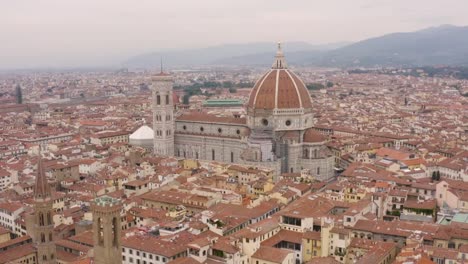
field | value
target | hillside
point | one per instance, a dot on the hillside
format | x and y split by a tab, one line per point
444	45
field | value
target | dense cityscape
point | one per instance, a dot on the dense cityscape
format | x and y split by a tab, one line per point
336	161
385	177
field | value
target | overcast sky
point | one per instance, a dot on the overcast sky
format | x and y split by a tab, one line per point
57	33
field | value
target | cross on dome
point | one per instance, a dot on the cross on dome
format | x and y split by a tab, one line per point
280	61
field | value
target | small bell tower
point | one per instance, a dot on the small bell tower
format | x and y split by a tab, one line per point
107	230
43	222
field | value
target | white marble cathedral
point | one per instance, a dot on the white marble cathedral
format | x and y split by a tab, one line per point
277	131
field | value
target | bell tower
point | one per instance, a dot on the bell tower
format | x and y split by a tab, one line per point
107	230
43	227
163	114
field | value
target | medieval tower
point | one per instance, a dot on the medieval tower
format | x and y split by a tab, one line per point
107	230
43	226
163	114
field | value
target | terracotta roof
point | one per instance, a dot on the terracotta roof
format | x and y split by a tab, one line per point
167	246
271	254
283	235
13	254
313	136
415	204
203	118
323	260
11	207
279	89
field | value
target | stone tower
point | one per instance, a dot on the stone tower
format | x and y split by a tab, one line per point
107	230
163	114
43	226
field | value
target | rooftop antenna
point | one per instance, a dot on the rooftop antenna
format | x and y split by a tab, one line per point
161	65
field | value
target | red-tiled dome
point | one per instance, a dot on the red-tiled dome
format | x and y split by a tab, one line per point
312	136
279	88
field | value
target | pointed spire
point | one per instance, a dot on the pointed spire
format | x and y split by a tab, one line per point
280	61
42	188
161	66
161	70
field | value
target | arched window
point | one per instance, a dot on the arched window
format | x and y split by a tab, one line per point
167	99
52	256
158	99
44	257
232	156
50	237
43	238
213	154
318	170
100	230
41	219
49	218
115	232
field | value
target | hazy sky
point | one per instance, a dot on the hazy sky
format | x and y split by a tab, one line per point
55	33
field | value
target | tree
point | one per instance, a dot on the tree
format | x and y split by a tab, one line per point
395	213
245	84
315	86
329	84
438	176
19	94
434	175
186	99
228	84
232	90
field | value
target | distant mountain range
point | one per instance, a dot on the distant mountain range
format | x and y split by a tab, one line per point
240	54
447	45
443	45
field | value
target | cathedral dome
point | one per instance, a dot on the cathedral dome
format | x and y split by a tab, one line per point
279	88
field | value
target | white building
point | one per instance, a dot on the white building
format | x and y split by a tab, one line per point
142	137
9	213
7	178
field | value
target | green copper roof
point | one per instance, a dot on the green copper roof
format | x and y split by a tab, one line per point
106	201
223	102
